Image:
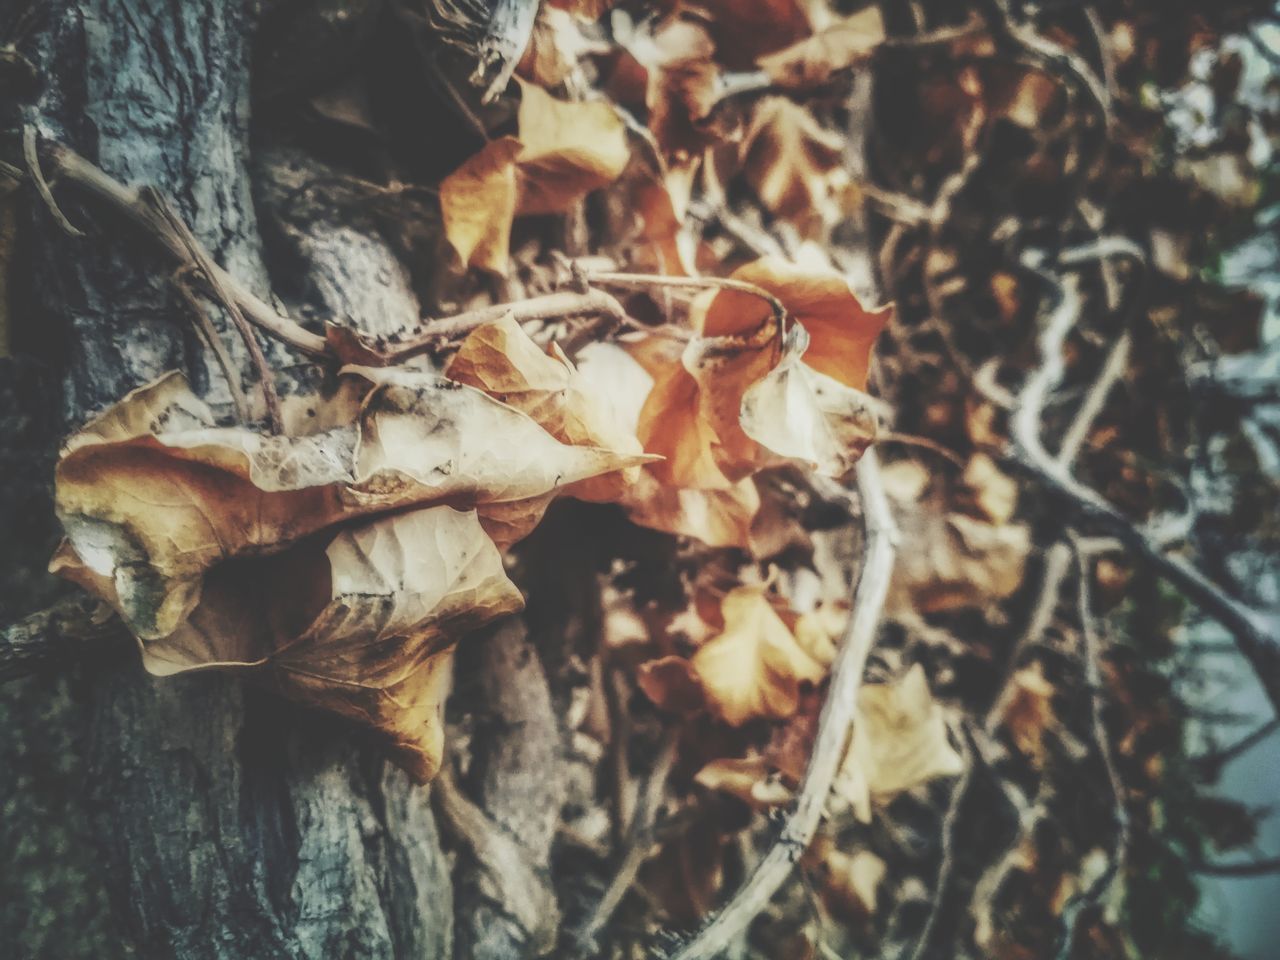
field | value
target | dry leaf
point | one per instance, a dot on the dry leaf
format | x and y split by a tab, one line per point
718	518
672	685
683	82
754	668
568	150
748	778
1027	711
744	30
957	561
152	495
672	426
899	742
848	882
739	346
365	627
794	165
813	61
500	359
562	152
841	331
478	203
992	492
800	414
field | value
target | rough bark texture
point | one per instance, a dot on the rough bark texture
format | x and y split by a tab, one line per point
232	825
507	907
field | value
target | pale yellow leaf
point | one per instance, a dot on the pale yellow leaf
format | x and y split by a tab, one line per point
754	667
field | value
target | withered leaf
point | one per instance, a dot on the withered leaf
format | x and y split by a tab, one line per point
152	495
813	61
364	627
753	668
801	414
563	151
478	203
747	778
899	742
500	359
793	164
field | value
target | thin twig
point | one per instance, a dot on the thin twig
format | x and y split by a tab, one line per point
1209	765
31	157
550	306
208	333
1120	815
51	637
204	264
1094	401
922	443
833	726
1250	868
75	169
639	844
1057	563
697	283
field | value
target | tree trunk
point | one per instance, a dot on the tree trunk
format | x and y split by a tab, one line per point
232	825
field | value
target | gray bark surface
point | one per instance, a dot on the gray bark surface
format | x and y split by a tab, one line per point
232	825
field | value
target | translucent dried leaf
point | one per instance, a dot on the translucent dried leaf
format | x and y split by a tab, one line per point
754	668
800	414
899	742
500	359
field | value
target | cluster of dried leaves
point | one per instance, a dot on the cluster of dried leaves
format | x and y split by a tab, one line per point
734	159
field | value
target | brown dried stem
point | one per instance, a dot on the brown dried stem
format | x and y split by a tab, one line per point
834	724
692	283
204	265
69	166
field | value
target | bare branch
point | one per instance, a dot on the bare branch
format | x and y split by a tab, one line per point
1209	765
834	724
1254	631
655	280
1250	868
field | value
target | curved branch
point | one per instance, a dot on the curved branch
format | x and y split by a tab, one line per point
837	718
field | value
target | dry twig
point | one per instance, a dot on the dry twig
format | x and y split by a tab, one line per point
834	724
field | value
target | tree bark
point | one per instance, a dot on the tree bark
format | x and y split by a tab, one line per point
232	825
